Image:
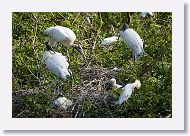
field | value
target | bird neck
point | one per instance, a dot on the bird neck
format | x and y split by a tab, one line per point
114	83
134	85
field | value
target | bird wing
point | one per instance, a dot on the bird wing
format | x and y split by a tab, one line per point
58	65
109	40
63	34
60	33
125	94
48	31
133	40
60	60
53	68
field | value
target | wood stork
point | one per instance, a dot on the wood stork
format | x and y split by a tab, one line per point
133	40
108	41
144	14
56	62
114	84
127	91
62	102
63	35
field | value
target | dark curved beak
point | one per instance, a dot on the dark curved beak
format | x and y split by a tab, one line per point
80	50
48	47
118	36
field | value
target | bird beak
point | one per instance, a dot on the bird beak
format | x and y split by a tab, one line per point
118	36
48	47
80	50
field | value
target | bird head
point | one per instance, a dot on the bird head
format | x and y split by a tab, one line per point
65	74
137	84
113	81
124	27
48	47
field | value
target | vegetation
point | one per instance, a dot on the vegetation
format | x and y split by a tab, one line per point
33	85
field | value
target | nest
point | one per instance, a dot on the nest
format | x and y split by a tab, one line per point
94	88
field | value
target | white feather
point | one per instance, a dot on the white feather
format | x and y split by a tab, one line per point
60	34
109	41
56	63
143	14
133	40
62	102
127	91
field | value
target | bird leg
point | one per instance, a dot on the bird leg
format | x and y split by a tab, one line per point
134	57
128	104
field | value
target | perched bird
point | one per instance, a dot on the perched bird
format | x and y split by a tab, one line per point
127	91
133	40
114	84
60	34
108	41
62	102
56	62
63	35
143	14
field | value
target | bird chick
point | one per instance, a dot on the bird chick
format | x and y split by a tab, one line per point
62	102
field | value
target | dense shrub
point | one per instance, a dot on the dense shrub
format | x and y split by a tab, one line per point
154	69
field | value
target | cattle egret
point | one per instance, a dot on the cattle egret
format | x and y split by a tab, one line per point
133	40
143	14
63	35
56	63
114	84
108	41
127	91
62	102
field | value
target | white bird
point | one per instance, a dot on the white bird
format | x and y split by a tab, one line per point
56	63
114	84
108	41
133	40
143	14
62	102
60	34
63	35
127	91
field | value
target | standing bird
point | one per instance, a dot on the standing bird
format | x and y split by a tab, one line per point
56	62
64	35
133	40
114	84
144	14
127	91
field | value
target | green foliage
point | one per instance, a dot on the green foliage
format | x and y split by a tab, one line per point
154	69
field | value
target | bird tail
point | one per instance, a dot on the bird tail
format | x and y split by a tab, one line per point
118	103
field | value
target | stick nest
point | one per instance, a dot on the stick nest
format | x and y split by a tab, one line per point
93	89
